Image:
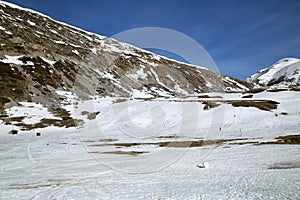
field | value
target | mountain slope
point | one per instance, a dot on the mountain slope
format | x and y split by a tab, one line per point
39	55
71	142
285	72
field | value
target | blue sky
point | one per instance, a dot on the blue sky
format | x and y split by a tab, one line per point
242	36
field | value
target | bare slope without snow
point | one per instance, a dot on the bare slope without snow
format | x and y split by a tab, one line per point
284	73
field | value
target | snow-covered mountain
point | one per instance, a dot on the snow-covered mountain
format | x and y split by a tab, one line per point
284	73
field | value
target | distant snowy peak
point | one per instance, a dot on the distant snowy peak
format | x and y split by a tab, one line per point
285	72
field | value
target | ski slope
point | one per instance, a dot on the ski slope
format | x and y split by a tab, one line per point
86	162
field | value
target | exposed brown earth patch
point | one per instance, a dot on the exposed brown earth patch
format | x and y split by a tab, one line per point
266	105
288	139
132	153
93	115
65	120
209	97
277	89
101	140
285	165
248	96
175	144
168	136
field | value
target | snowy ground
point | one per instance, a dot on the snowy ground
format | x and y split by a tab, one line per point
118	154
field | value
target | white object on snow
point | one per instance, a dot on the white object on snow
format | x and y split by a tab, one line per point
203	165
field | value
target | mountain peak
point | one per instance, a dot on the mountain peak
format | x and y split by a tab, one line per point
283	73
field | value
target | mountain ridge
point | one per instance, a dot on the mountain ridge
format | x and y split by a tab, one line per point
283	73
95	34
40	55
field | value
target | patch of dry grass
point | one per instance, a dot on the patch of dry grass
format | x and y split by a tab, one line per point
266	105
297	89
285	165
175	144
278	89
209	97
287	139
168	136
93	115
248	96
132	153
101	140
257	90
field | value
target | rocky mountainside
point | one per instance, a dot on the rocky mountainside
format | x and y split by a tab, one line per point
284	73
39	55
